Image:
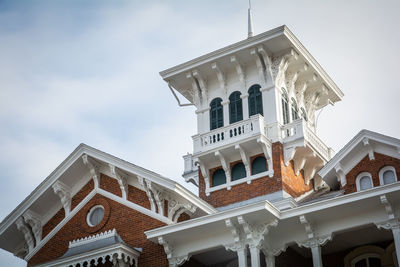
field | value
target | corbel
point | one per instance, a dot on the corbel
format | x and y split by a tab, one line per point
24	229
234	231
34	220
93	168
122	180
288	154
341	177
64	192
196	89
167	247
21	251
205	175
202	83
158	195
256	234
307	226
220	76
225	166
149	194
267	63
259	65
388	207
300	90
239	70
245	159
309	174
267	150
366	143
299	165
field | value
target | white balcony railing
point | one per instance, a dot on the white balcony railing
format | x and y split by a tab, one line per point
228	134
299	129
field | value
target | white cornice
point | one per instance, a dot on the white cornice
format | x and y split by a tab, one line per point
352	144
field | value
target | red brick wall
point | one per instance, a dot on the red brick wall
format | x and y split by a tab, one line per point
130	225
110	184
373	167
86	189
284	178
138	196
53	222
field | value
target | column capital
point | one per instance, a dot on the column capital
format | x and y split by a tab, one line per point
389	224
315	242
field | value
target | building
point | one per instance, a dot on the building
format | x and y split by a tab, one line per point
271	192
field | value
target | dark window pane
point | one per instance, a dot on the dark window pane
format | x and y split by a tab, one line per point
374	262
235	107
255	100
361	263
238	172
216	114
259	165
218	177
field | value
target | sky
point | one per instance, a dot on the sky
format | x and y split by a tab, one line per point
85	71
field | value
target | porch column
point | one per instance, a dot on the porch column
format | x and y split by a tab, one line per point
242	257
205	120
199	114
225	107
396	237
255	256
245	105
316	255
270	260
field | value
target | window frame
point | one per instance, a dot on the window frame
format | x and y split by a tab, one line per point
383	170
254	94
219	111
358	179
285	107
235	107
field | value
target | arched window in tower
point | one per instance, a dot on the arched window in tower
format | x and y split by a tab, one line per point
218	177
364	181
255	100
216	114
238	171
387	175
258	165
304	114
235	107
285	107
295	110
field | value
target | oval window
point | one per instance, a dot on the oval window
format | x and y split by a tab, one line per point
95	215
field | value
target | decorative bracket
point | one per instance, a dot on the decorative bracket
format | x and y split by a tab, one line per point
93	168
225	166
122	180
202	84
388	206
369	147
64	192
341	177
259	64
256	234
239	70
267	150
197	99
220	76
299	165
172	260
289	154
206	178
34	220
21	226
245	158
267	62
144	185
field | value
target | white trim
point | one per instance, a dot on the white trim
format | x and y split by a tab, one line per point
247	179
83	203
359	177
383	170
92	238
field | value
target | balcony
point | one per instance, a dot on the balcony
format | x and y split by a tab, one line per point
299	130
232	133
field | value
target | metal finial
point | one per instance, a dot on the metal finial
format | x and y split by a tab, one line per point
250	22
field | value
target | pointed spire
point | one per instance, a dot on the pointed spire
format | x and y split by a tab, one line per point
250	22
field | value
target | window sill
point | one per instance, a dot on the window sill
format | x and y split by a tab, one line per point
247	180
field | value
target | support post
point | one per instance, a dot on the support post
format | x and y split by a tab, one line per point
270	260
225	108
242	257
316	255
245	104
255	256
396	237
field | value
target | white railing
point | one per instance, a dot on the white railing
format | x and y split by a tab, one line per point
299	129
225	135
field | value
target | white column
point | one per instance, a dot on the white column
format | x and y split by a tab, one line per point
270	260
242	257
396	237
245	106
206	120
225	105
120	263
199	114
255	256
270	105
316	255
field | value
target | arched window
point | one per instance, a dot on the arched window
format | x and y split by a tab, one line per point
295	110
304	114
259	165
387	175
235	107
238	171
364	181
285	107
218	177
255	100
367	260
216	114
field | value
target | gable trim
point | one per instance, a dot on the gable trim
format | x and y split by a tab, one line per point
82	204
